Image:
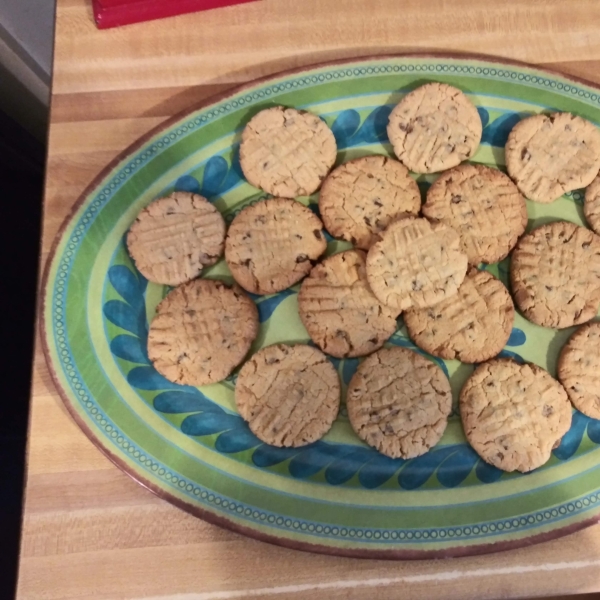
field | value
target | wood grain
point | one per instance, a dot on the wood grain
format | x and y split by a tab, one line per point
91	532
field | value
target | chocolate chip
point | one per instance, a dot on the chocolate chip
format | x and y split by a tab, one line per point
525	154
367	221
301	258
456	199
317	234
376	202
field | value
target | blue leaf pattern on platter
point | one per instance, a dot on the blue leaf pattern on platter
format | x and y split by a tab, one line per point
314	459
379	470
593	430
497	132
336	362
128	285
148	378
219	177
456	468
123	315
268	456
340	462
345	126
214	175
349	368
207	423
129	348
418	470
517	337
176	402
374	127
348	130
344	468
236	440
267	304
484	115
487	473
510	354
187	183
503	272
572	439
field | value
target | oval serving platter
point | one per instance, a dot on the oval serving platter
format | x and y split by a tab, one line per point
189	446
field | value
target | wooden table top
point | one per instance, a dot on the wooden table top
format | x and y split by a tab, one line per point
89	530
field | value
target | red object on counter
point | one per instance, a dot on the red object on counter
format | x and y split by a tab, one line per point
113	13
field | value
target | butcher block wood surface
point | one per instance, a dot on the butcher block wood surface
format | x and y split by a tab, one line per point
89	531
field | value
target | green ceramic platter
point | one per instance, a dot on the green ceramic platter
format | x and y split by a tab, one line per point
189	446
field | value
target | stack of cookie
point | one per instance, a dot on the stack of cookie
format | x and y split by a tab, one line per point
411	259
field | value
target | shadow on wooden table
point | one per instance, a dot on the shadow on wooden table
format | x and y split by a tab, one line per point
21	174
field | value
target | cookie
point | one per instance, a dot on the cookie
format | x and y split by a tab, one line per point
415	264
202	331
555	275
271	245
579	369
472	326
339	310
289	395
434	128
174	238
399	402
591	205
549	155
362	197
483	206
514	415
287	152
